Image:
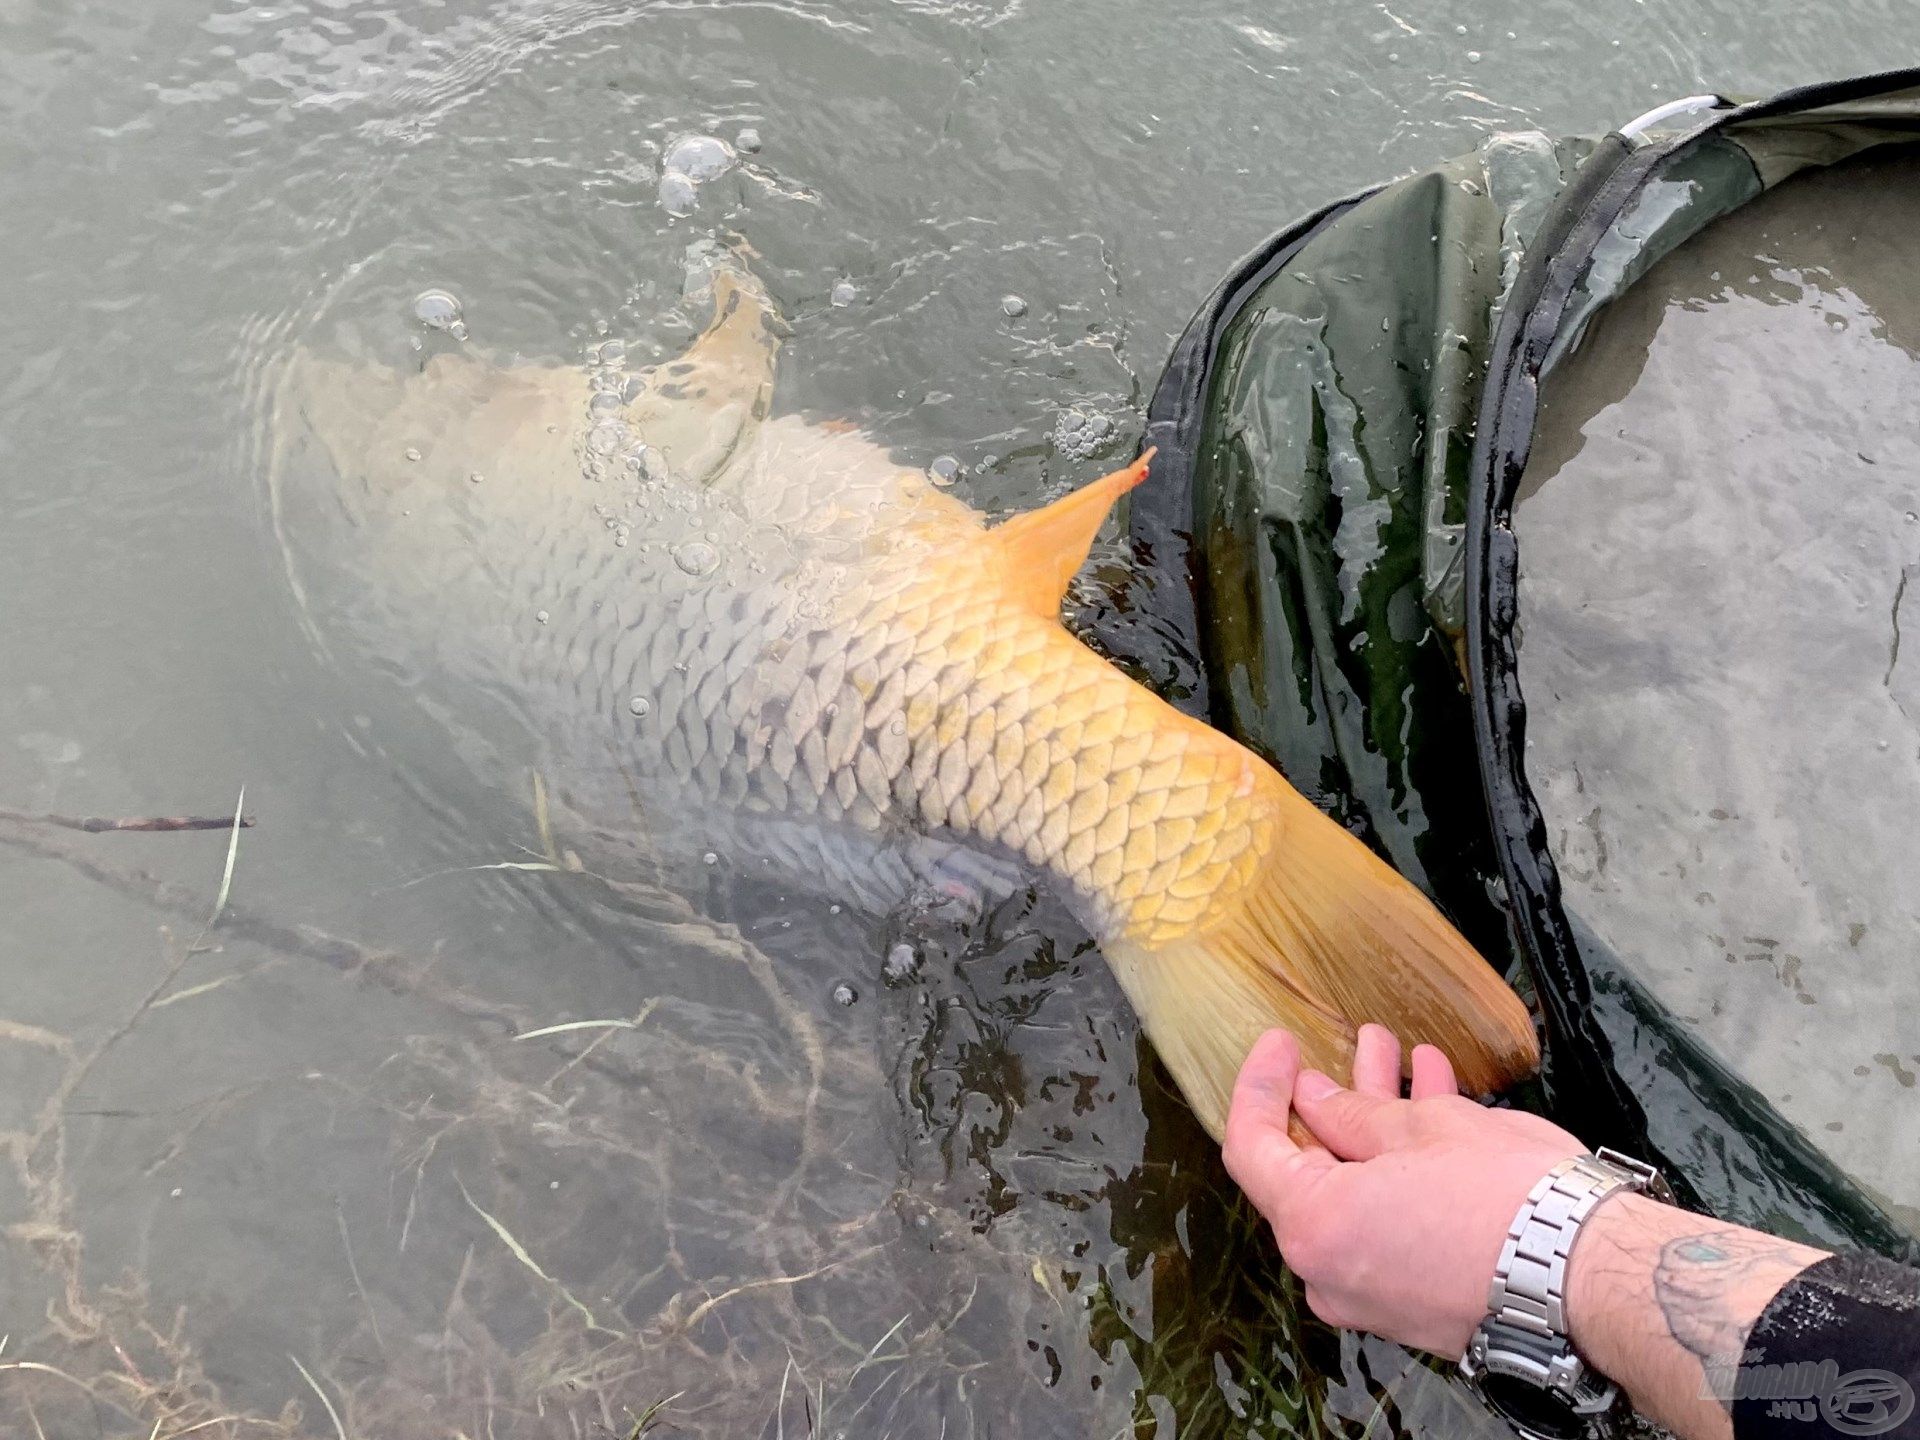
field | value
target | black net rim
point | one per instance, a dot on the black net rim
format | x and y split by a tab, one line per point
1586	1085
1532	324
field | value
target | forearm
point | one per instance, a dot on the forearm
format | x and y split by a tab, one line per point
1662	1301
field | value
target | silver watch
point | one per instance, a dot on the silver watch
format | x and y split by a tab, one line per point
1520	1359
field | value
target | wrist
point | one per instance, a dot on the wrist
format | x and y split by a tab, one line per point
1522	1357
1608	1278
1662	1301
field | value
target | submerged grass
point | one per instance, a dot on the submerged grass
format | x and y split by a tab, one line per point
520	1253
708	1242
339	1428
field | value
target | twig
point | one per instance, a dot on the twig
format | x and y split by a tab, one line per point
306	941
147	824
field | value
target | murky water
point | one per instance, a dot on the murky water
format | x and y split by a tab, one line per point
299	1176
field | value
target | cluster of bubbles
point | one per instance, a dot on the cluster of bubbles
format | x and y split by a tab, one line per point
1080	433
691	161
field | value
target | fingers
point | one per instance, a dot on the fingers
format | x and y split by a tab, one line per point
1352	1125
1262	1098
1264	1160
1376	1062
1432	1073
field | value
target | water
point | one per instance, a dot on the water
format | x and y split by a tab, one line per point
1715	572
962	1205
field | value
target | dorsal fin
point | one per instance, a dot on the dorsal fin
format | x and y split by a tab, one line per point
1045	547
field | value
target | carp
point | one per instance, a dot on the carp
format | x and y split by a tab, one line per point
735	629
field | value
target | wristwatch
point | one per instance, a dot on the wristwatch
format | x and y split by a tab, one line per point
1520	1359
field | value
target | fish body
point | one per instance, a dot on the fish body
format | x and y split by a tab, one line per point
746	629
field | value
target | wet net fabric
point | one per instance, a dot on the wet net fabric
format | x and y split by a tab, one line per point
1332	477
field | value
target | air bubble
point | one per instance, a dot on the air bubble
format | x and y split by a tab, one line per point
696	557
541	616
844	293
650	463
413	452
1012	306
606	437
476	477
698	157
612	352
640	706
901	965
747	142
944	470
709	858
844	994
439	310
678	195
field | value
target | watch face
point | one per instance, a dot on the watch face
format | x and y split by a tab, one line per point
1531	1409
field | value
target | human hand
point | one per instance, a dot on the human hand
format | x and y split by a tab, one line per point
1395	1227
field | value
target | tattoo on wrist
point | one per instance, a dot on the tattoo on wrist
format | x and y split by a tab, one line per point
1711	1288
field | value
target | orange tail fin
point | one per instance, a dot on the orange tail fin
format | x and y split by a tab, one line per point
1326	937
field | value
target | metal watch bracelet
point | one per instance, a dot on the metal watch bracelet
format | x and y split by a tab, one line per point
1524	1336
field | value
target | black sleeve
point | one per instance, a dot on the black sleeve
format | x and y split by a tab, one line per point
1835	1354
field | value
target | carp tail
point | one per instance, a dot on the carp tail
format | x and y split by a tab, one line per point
1324	937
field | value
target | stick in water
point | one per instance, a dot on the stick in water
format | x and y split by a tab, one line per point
99	824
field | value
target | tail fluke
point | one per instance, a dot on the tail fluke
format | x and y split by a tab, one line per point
1327	936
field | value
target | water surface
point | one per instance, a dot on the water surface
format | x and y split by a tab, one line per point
1720	530
305	1170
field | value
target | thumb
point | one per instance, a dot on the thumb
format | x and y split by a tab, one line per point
1351	1125
1260	1154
